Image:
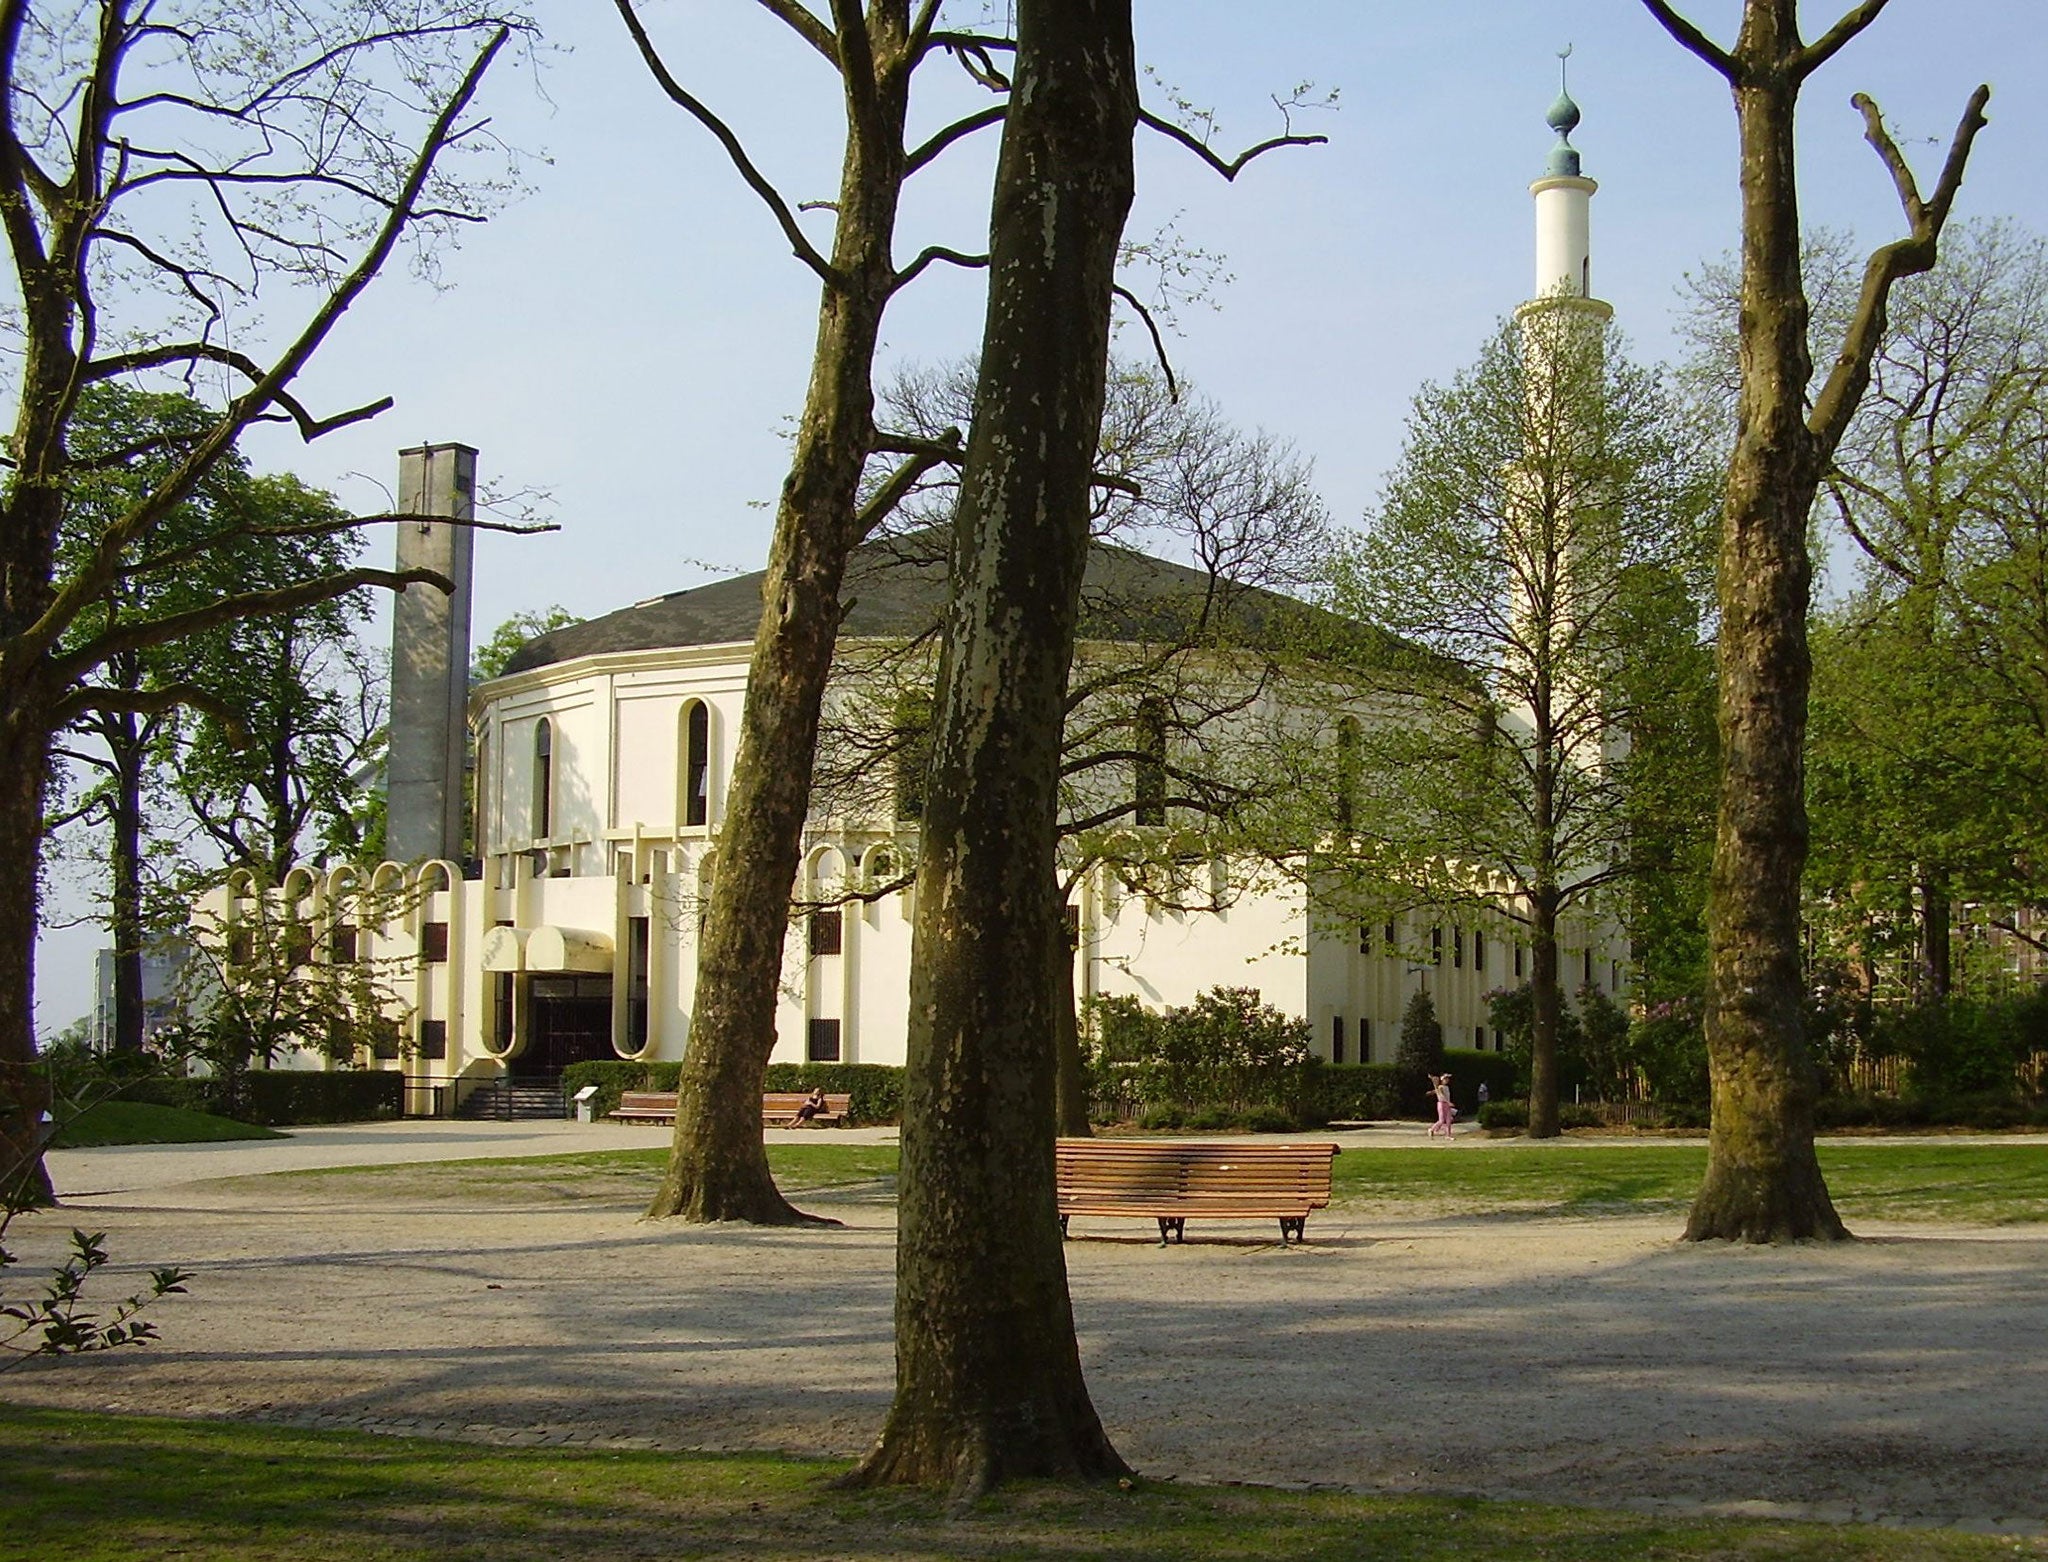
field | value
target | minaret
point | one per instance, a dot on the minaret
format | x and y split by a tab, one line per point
424	815
1564	202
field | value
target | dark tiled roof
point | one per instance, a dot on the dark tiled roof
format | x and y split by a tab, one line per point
896	589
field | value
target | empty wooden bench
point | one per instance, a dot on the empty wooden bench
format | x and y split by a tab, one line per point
645	1106
1173	1181
779	1106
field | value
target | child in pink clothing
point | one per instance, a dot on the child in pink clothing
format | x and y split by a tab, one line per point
1440	1087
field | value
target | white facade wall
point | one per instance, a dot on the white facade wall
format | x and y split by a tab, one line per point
615	854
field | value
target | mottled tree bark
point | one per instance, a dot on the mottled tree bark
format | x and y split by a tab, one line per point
718	1164
988	1376
1763	1182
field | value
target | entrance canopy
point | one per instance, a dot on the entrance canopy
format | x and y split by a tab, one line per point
547	948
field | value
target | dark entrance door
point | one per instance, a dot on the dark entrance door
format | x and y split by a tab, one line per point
569	1020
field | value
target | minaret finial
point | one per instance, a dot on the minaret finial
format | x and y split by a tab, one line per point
1564	119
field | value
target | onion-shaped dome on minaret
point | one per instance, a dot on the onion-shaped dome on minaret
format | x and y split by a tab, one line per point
1564	119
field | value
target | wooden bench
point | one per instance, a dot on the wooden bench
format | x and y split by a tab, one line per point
645	1106
779	1106
1172	1180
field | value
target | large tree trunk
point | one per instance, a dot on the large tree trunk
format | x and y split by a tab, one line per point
1546	1010
988	1375
1763	1182
24	1089
1937	961
718	1166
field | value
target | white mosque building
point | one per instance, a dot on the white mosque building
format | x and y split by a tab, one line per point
547	913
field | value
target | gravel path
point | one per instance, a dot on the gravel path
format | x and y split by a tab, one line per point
1900	1378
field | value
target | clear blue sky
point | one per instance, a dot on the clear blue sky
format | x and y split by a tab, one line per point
632	335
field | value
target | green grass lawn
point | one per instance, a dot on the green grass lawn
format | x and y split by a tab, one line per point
138	1122
109	1489
1928	1180
1925	1180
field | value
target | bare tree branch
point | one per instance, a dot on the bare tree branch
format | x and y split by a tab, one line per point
1158	341
883	501
1915	253
141	634
1231	169
1824	48
721	132
931	253
1694	40
806	26
940	140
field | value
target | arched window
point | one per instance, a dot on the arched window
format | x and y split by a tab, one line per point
543	779
696	763
1149	783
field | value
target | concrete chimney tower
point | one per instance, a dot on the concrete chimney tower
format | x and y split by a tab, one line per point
429	747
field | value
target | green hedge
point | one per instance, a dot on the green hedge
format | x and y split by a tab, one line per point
876	1089
1469	1070
1355	1093
278	1098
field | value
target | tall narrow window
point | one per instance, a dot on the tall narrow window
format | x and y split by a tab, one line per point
1458	947
1479	1038
1389	935
543	779
1478	951
827	931
1436	945
697	763
821	1043
1589	968
1518	959
1336	1038
1365	938
638	948
1364	1039
1149	790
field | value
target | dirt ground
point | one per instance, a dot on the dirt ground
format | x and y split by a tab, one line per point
1903	1377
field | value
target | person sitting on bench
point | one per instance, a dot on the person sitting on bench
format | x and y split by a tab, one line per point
814	1103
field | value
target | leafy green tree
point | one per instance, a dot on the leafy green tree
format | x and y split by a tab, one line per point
1931	706
489	659
161	166
242	726
1544	512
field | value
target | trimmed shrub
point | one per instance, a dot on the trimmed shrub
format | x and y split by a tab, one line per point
1504	1114
1469	1069
1360	1093
279	1098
